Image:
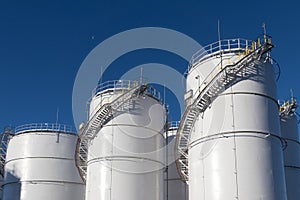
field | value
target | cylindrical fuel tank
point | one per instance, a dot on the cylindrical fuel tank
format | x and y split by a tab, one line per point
40	164
1	184
126	159
176	189
235	147
289	130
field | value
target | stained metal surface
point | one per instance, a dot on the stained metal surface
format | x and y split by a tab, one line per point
40	165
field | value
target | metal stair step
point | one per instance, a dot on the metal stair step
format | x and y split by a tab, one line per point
95	124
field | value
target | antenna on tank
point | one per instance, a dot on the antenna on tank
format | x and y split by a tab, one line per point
164	94
265	31
100	75
220	47
141	75
57	112
219	32
292	94
264	28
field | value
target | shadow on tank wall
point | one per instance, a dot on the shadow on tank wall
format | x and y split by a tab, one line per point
11	187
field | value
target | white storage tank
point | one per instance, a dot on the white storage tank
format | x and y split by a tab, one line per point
126	158
289	131
176	189
40	164
235	146
4	138
1	184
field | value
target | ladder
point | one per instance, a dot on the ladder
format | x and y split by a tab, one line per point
97	121
209	90
5	138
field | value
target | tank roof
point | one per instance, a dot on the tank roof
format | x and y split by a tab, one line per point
117	86
45	127
221	46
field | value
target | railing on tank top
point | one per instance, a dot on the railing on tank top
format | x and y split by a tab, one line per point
117	86
173	125
45	127
242	46
224	46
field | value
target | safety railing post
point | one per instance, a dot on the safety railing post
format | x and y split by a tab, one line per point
228	43
114	87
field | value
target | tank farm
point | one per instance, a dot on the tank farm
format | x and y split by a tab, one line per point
235	140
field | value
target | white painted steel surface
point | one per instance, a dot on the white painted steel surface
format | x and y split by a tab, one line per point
235	149
126	159
289	130
1	183
40	165
177	189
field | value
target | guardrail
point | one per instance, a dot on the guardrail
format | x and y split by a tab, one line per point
174	124
45	127
117	86
246	46
153	92
229	45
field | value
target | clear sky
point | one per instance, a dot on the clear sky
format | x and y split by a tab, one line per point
43	43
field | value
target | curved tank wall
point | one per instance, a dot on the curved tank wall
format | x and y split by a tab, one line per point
126	159
176	189
235	147
1	184
40	165
289	130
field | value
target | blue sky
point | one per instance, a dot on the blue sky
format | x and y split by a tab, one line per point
43	43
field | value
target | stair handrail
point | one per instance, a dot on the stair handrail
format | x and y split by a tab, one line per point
82	136
6	135
178	139
206	83
218	67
